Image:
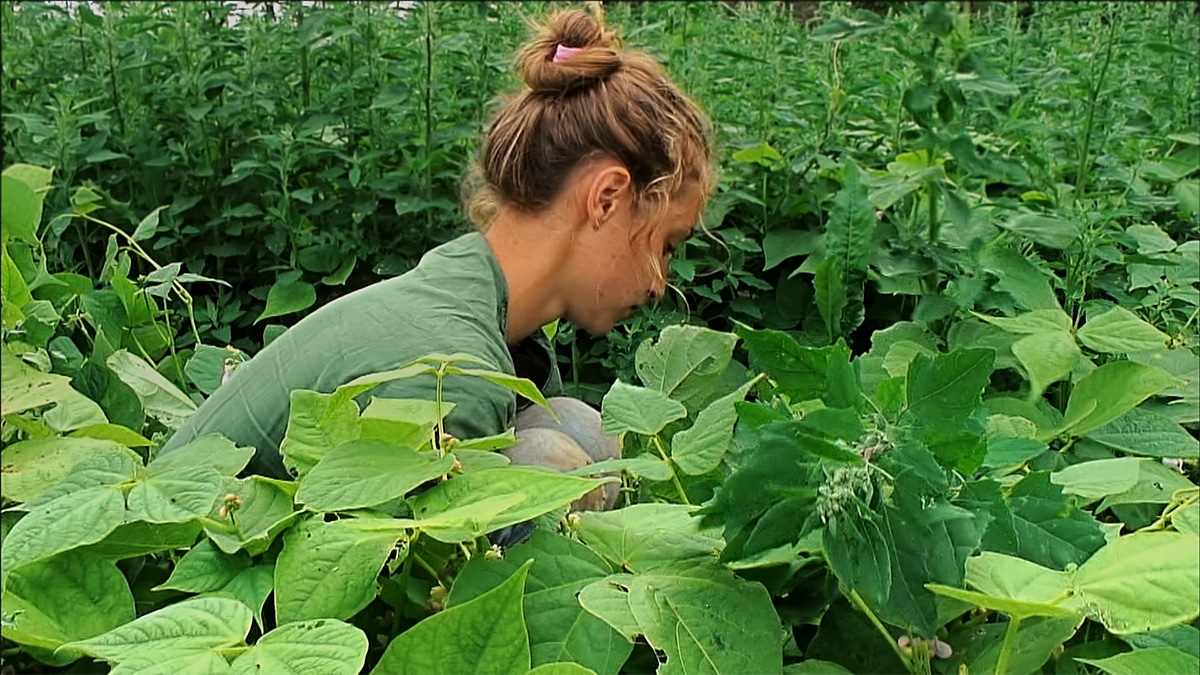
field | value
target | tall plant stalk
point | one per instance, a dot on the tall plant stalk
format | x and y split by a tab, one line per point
1083	164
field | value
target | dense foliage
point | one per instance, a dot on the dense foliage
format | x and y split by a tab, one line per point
927	400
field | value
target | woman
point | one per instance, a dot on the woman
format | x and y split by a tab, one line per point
588	179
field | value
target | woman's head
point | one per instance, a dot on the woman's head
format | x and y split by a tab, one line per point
609	125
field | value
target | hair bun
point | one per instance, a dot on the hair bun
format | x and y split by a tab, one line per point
574	29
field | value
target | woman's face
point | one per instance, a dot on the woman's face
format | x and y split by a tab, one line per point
624	263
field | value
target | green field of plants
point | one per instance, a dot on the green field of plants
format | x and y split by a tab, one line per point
926	400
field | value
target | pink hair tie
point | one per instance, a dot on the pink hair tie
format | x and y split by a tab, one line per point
564	52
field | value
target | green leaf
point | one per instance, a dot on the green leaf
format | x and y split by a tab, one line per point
519	385
803	373
1184	638
36	177
251	587
945	389
1120	331
642	466
195	624
1160	660
484	635
1156	484
561	668
1036	641
1143	432
848	240
1036	521
328	570
267	509
644	537
132	540
519	494
366	473
211	450
1142	582
832	295
317	423
20	210
815	667
1005	576
306	648
175	495
174	662
1109	392
781	244
1098	478
158	396
26	388
1021	609
850	27
560	630
627	408
1032	323
700	448
1187	519
1047	231
31	467
1047	358
113	432
148	226
762	154
65	598
685	363
204	568
287	298
703	617
70	521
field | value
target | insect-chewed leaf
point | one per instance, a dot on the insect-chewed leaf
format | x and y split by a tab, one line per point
323	647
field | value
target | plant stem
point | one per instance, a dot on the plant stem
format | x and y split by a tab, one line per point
1006	649
662	451
1083	167
862	607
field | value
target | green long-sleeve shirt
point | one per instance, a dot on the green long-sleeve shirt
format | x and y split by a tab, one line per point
454	301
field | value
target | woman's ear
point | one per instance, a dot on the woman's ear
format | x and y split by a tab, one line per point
611	185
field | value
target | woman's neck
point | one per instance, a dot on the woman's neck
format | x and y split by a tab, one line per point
531	249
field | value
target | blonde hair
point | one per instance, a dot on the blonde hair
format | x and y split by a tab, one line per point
603	101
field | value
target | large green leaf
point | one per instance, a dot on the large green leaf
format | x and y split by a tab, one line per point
267	509
627	408
559	628
1019	277
803	373
317	423
69	597
366	473
306	648
20	210
945	389
703	617
25	388
74	520
1144	432
484	635
1020	609
328	570
493	499
700	448
644	537
685	363
1036	521
1036	641
833	294
159	397
1120	331
1141	582
133	540
205	568
1098	479
848	241
193	625
30	467
288	298
1109	392
175	495
1158	660
1045	230
1047	358
211	450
